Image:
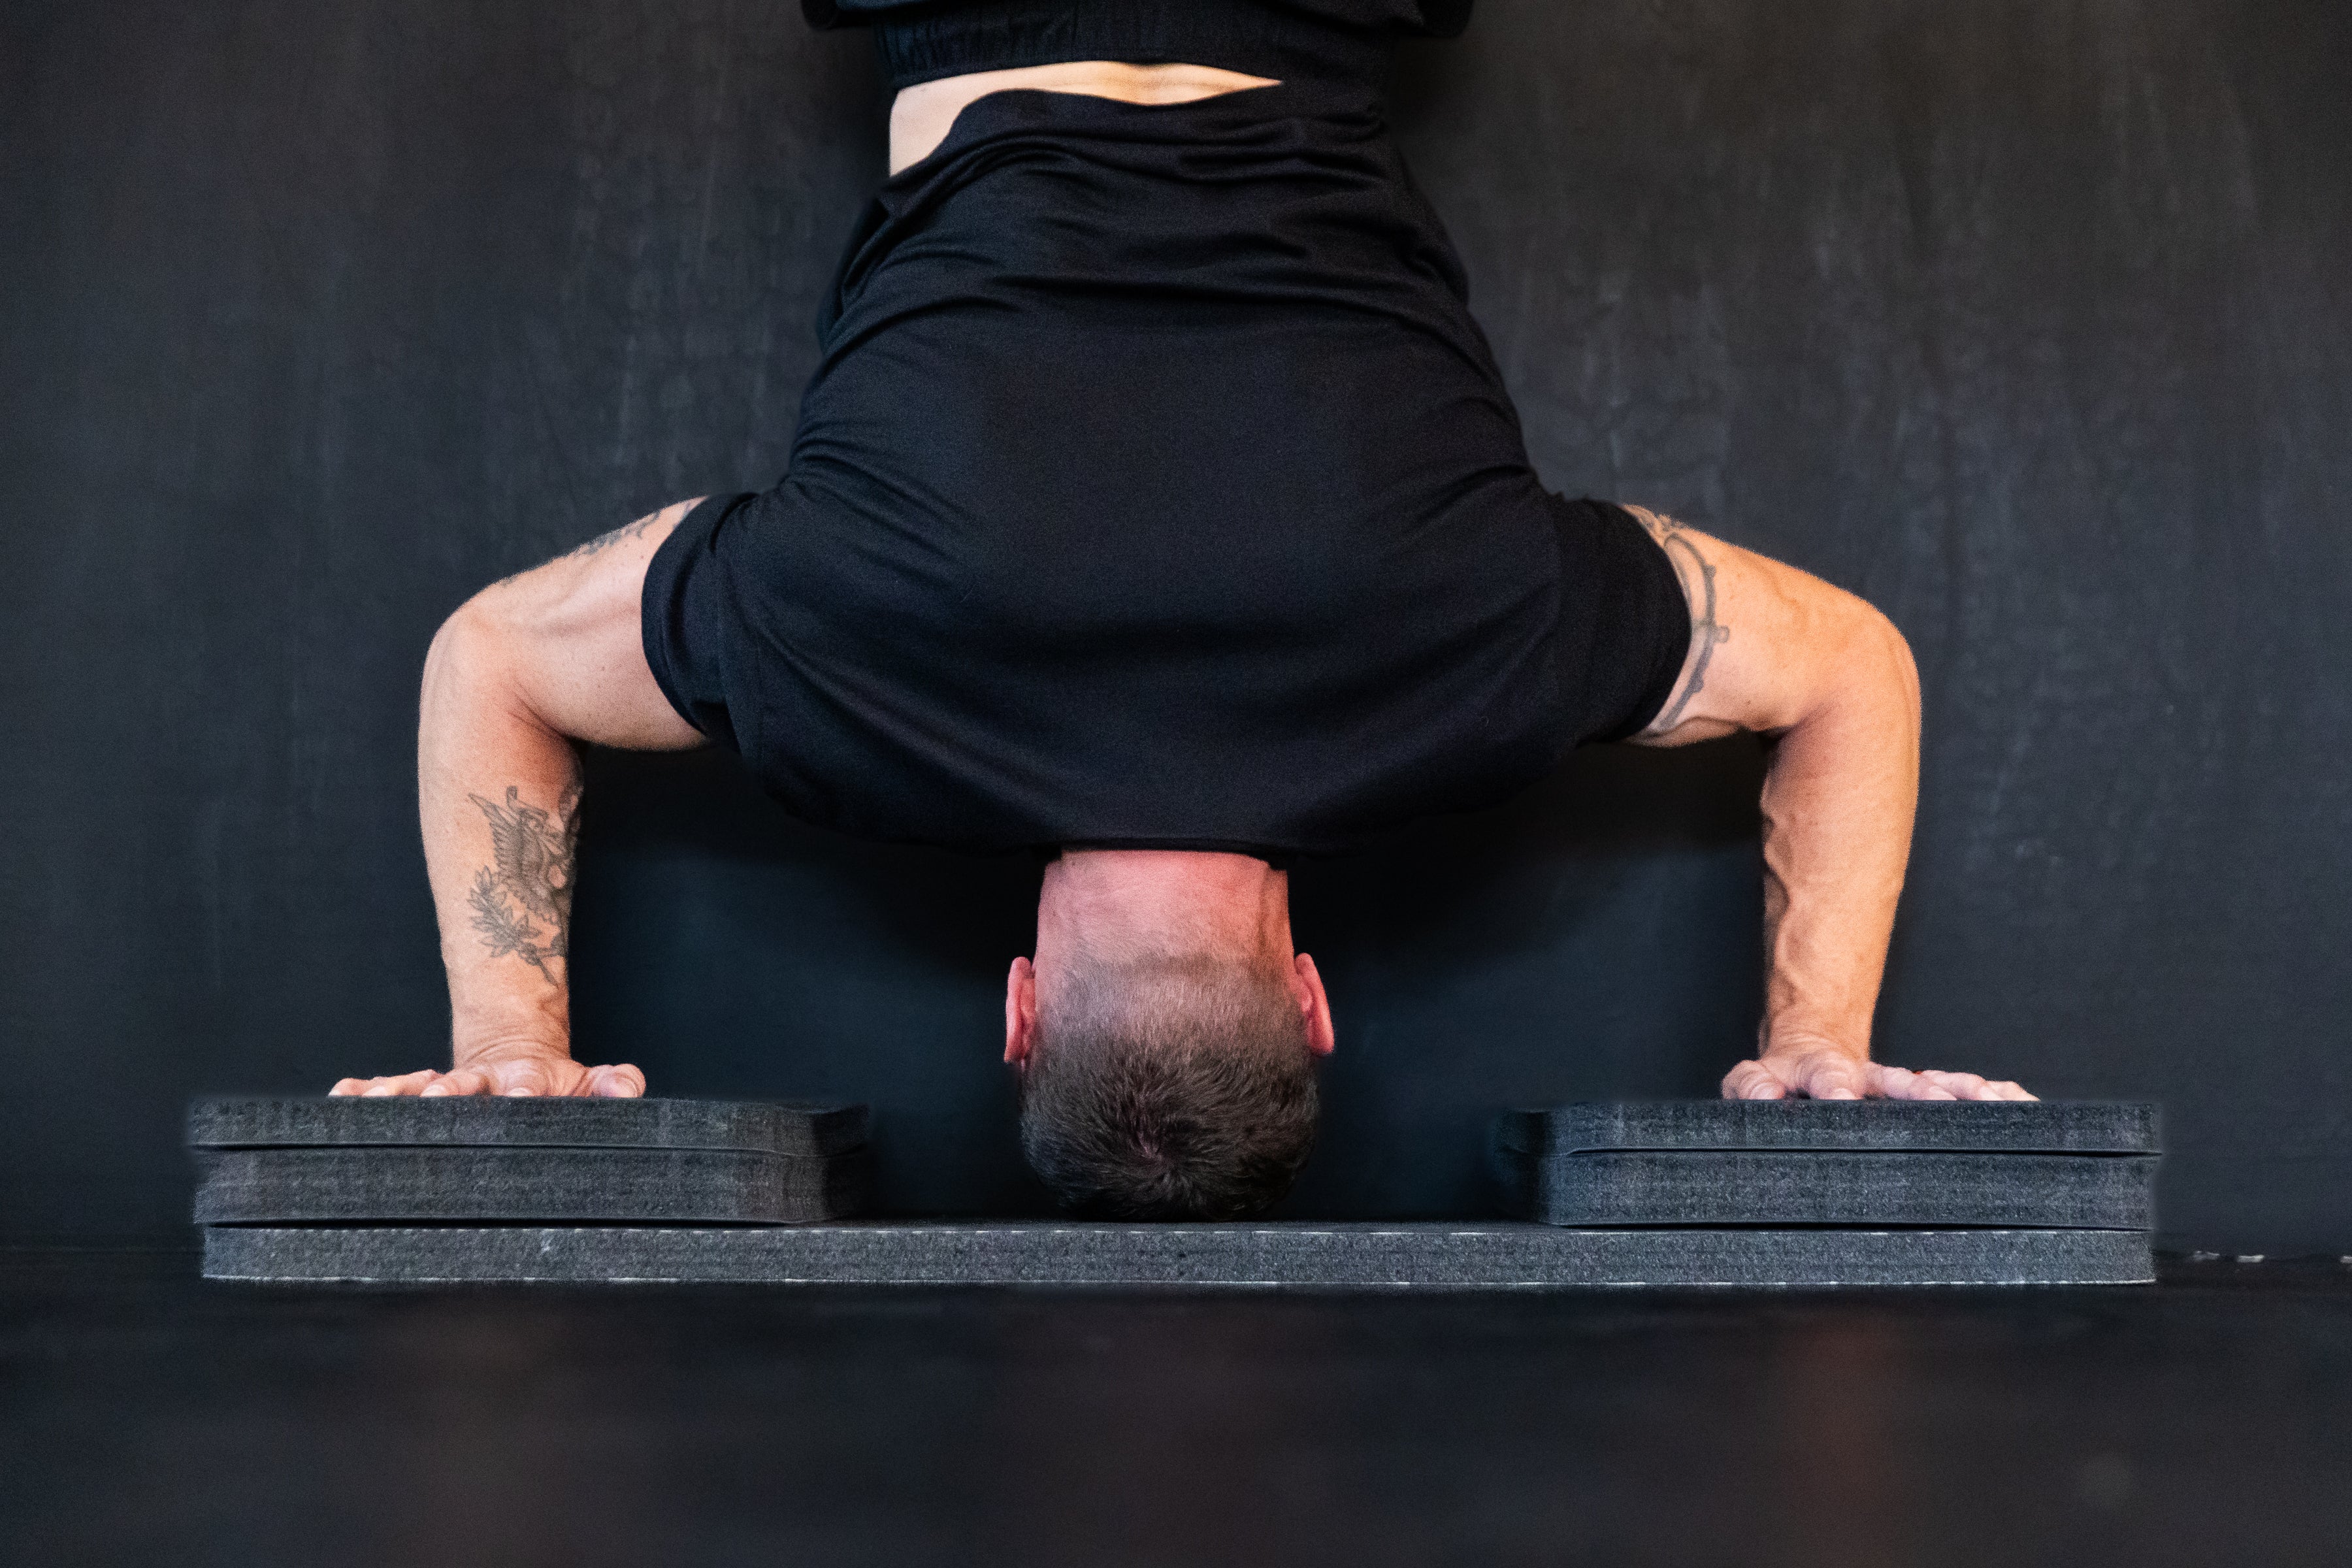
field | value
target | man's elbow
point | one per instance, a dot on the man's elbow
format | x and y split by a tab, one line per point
471	661
1877	664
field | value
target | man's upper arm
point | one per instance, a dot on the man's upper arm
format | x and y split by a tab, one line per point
1768	642
567	639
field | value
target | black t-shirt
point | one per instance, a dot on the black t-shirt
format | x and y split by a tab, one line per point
921	40
1157	488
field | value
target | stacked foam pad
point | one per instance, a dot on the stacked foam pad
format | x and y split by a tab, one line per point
1422	1256
466	1161
1973	1167
1705	1194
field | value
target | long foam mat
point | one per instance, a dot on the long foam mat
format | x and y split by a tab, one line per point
719	1186
763	1126
2053	1126
1781	1187
1496	1256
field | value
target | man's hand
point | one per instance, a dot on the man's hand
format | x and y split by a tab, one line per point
518	1072
1828	1072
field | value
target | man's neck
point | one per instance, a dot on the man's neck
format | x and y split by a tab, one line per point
1162	901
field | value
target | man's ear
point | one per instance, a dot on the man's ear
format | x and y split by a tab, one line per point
1307	986
1020	1012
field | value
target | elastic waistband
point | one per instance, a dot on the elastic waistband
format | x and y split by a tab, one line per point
1247	36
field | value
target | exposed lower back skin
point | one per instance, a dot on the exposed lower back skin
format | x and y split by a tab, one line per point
921	115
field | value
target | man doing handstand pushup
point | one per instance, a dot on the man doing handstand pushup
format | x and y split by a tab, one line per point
1157	502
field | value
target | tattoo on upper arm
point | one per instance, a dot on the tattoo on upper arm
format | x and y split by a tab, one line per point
597	546
1707	632
604	541
529	880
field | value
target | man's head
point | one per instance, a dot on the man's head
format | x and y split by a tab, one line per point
1166	1035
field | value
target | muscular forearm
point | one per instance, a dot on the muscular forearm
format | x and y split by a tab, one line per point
499	794
1829	679
1838	804
525	668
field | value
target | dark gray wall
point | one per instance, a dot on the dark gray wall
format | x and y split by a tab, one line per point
2029	319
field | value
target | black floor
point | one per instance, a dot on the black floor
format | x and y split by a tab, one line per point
146	1417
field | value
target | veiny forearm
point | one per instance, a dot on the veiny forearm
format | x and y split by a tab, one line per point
1829	681
1839	799
499	795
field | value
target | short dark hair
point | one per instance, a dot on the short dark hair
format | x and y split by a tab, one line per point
1168	1088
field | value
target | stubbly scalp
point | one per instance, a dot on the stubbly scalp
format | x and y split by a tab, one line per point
1170	1089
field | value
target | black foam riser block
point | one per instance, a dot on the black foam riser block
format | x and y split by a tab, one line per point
804	1132
1292	1256
1968	1126
511	1185
1780	1187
